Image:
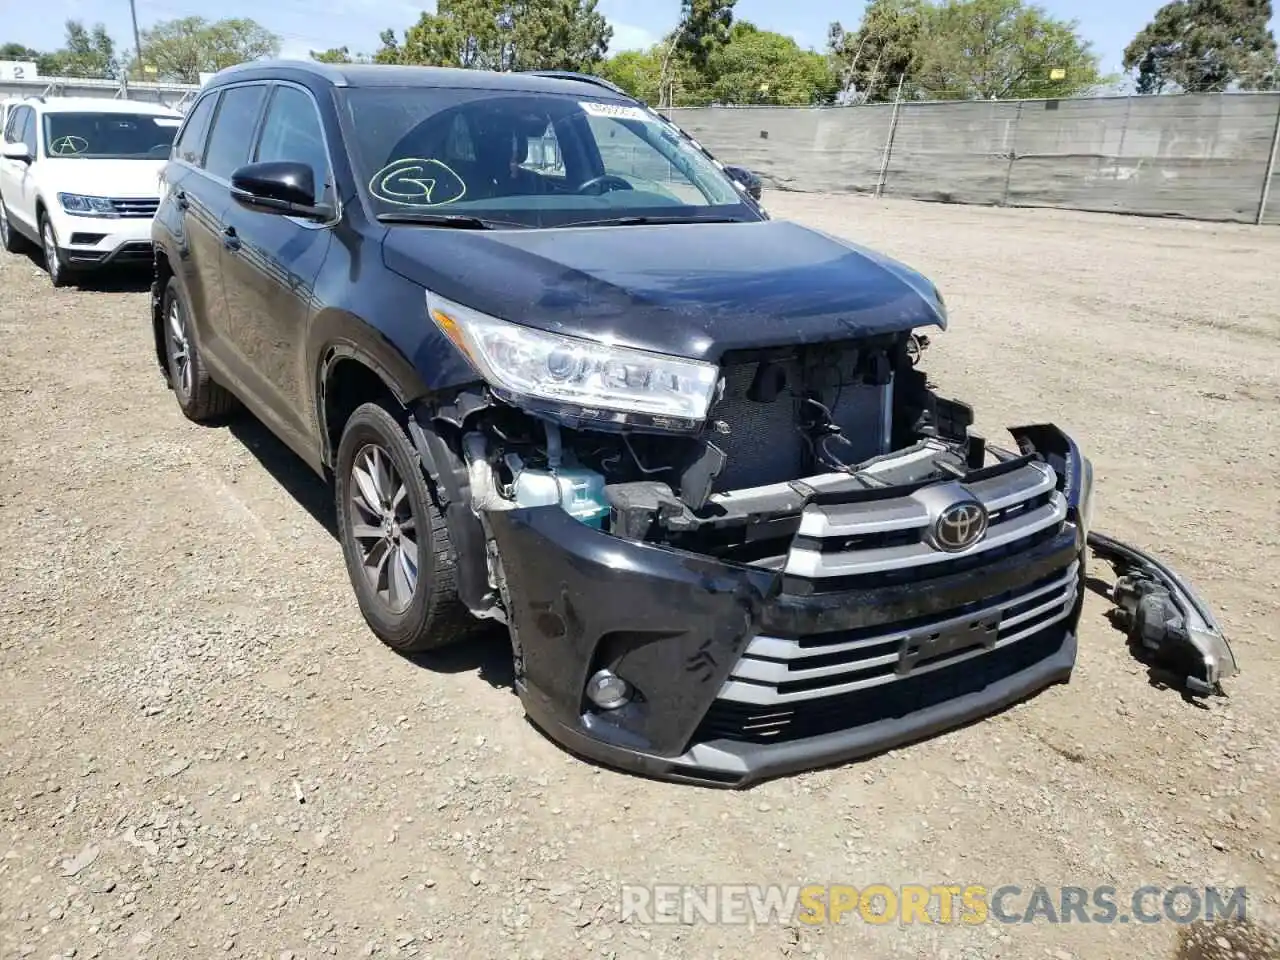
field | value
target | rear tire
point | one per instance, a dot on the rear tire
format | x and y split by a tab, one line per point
394	538
200	398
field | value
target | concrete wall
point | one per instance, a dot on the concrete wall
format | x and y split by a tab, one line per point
1204	157
170	94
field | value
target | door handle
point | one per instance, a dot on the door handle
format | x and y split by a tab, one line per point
180	198
230	239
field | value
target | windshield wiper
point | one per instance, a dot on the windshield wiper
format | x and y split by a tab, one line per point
458	221
635	221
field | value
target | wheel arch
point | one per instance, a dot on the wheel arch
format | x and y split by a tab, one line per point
355	363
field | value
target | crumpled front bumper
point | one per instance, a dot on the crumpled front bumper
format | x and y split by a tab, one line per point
684	629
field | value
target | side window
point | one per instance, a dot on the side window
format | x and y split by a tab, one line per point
190	145
13	128
292	131
28	130
232	133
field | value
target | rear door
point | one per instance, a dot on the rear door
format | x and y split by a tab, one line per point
269	271
208	197
183	214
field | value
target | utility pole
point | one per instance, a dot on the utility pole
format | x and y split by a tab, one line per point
137	40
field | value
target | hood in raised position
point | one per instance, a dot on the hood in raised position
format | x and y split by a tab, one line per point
693	290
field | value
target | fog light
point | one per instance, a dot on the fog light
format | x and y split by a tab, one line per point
608	691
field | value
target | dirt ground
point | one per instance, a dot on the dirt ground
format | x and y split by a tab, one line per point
206	753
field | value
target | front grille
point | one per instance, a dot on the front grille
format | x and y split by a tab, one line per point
136	207
752	723
868	543
780	672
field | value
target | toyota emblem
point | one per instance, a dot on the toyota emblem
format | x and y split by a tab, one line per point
960	526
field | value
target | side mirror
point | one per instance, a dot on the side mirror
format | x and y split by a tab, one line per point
16	151
285	187
745	177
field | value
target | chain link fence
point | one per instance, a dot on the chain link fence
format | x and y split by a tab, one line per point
1205	157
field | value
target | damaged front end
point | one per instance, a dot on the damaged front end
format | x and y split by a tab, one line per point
827	563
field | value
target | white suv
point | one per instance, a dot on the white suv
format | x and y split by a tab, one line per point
81	178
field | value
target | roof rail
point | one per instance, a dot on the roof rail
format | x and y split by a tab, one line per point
581	77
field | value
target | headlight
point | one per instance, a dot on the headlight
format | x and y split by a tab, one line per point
595	381
87	206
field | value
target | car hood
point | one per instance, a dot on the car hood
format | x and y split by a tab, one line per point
693	290
103	178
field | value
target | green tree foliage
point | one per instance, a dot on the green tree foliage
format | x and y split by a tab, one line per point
1001	49
338	55
962	49
705	27
754	66
86	52
504	35
759	66
183	49
883	48
1198	46
639	72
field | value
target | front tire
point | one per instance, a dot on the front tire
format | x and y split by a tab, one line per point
59	275
394	538
201	400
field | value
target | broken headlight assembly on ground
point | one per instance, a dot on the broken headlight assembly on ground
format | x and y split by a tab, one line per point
718	573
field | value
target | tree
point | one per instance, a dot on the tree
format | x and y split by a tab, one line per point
87	53
183	49
883	48
759	66
705	26
996	49
1205	45
639	72
338	55
16	51
390	50
504	35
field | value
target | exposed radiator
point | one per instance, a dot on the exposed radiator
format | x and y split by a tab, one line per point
765	443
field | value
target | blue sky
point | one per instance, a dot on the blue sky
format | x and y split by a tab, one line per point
1108	24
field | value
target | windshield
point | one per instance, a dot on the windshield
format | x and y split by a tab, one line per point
109	136
527	160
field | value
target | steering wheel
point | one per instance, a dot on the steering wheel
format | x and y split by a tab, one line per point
607	182
161	148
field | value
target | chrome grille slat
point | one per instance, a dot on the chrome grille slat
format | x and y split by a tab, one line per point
805	561
755	681
772	648
136	207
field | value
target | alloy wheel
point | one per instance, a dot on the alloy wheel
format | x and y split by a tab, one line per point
51	262
384	527
179	349
4	227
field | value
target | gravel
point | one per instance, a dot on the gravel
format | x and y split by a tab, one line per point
206	753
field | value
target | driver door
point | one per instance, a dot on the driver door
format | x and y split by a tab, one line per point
18	184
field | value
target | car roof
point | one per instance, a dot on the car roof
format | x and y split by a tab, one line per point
103	105
387	75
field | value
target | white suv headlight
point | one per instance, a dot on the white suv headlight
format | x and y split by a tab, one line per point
595	381
82	206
